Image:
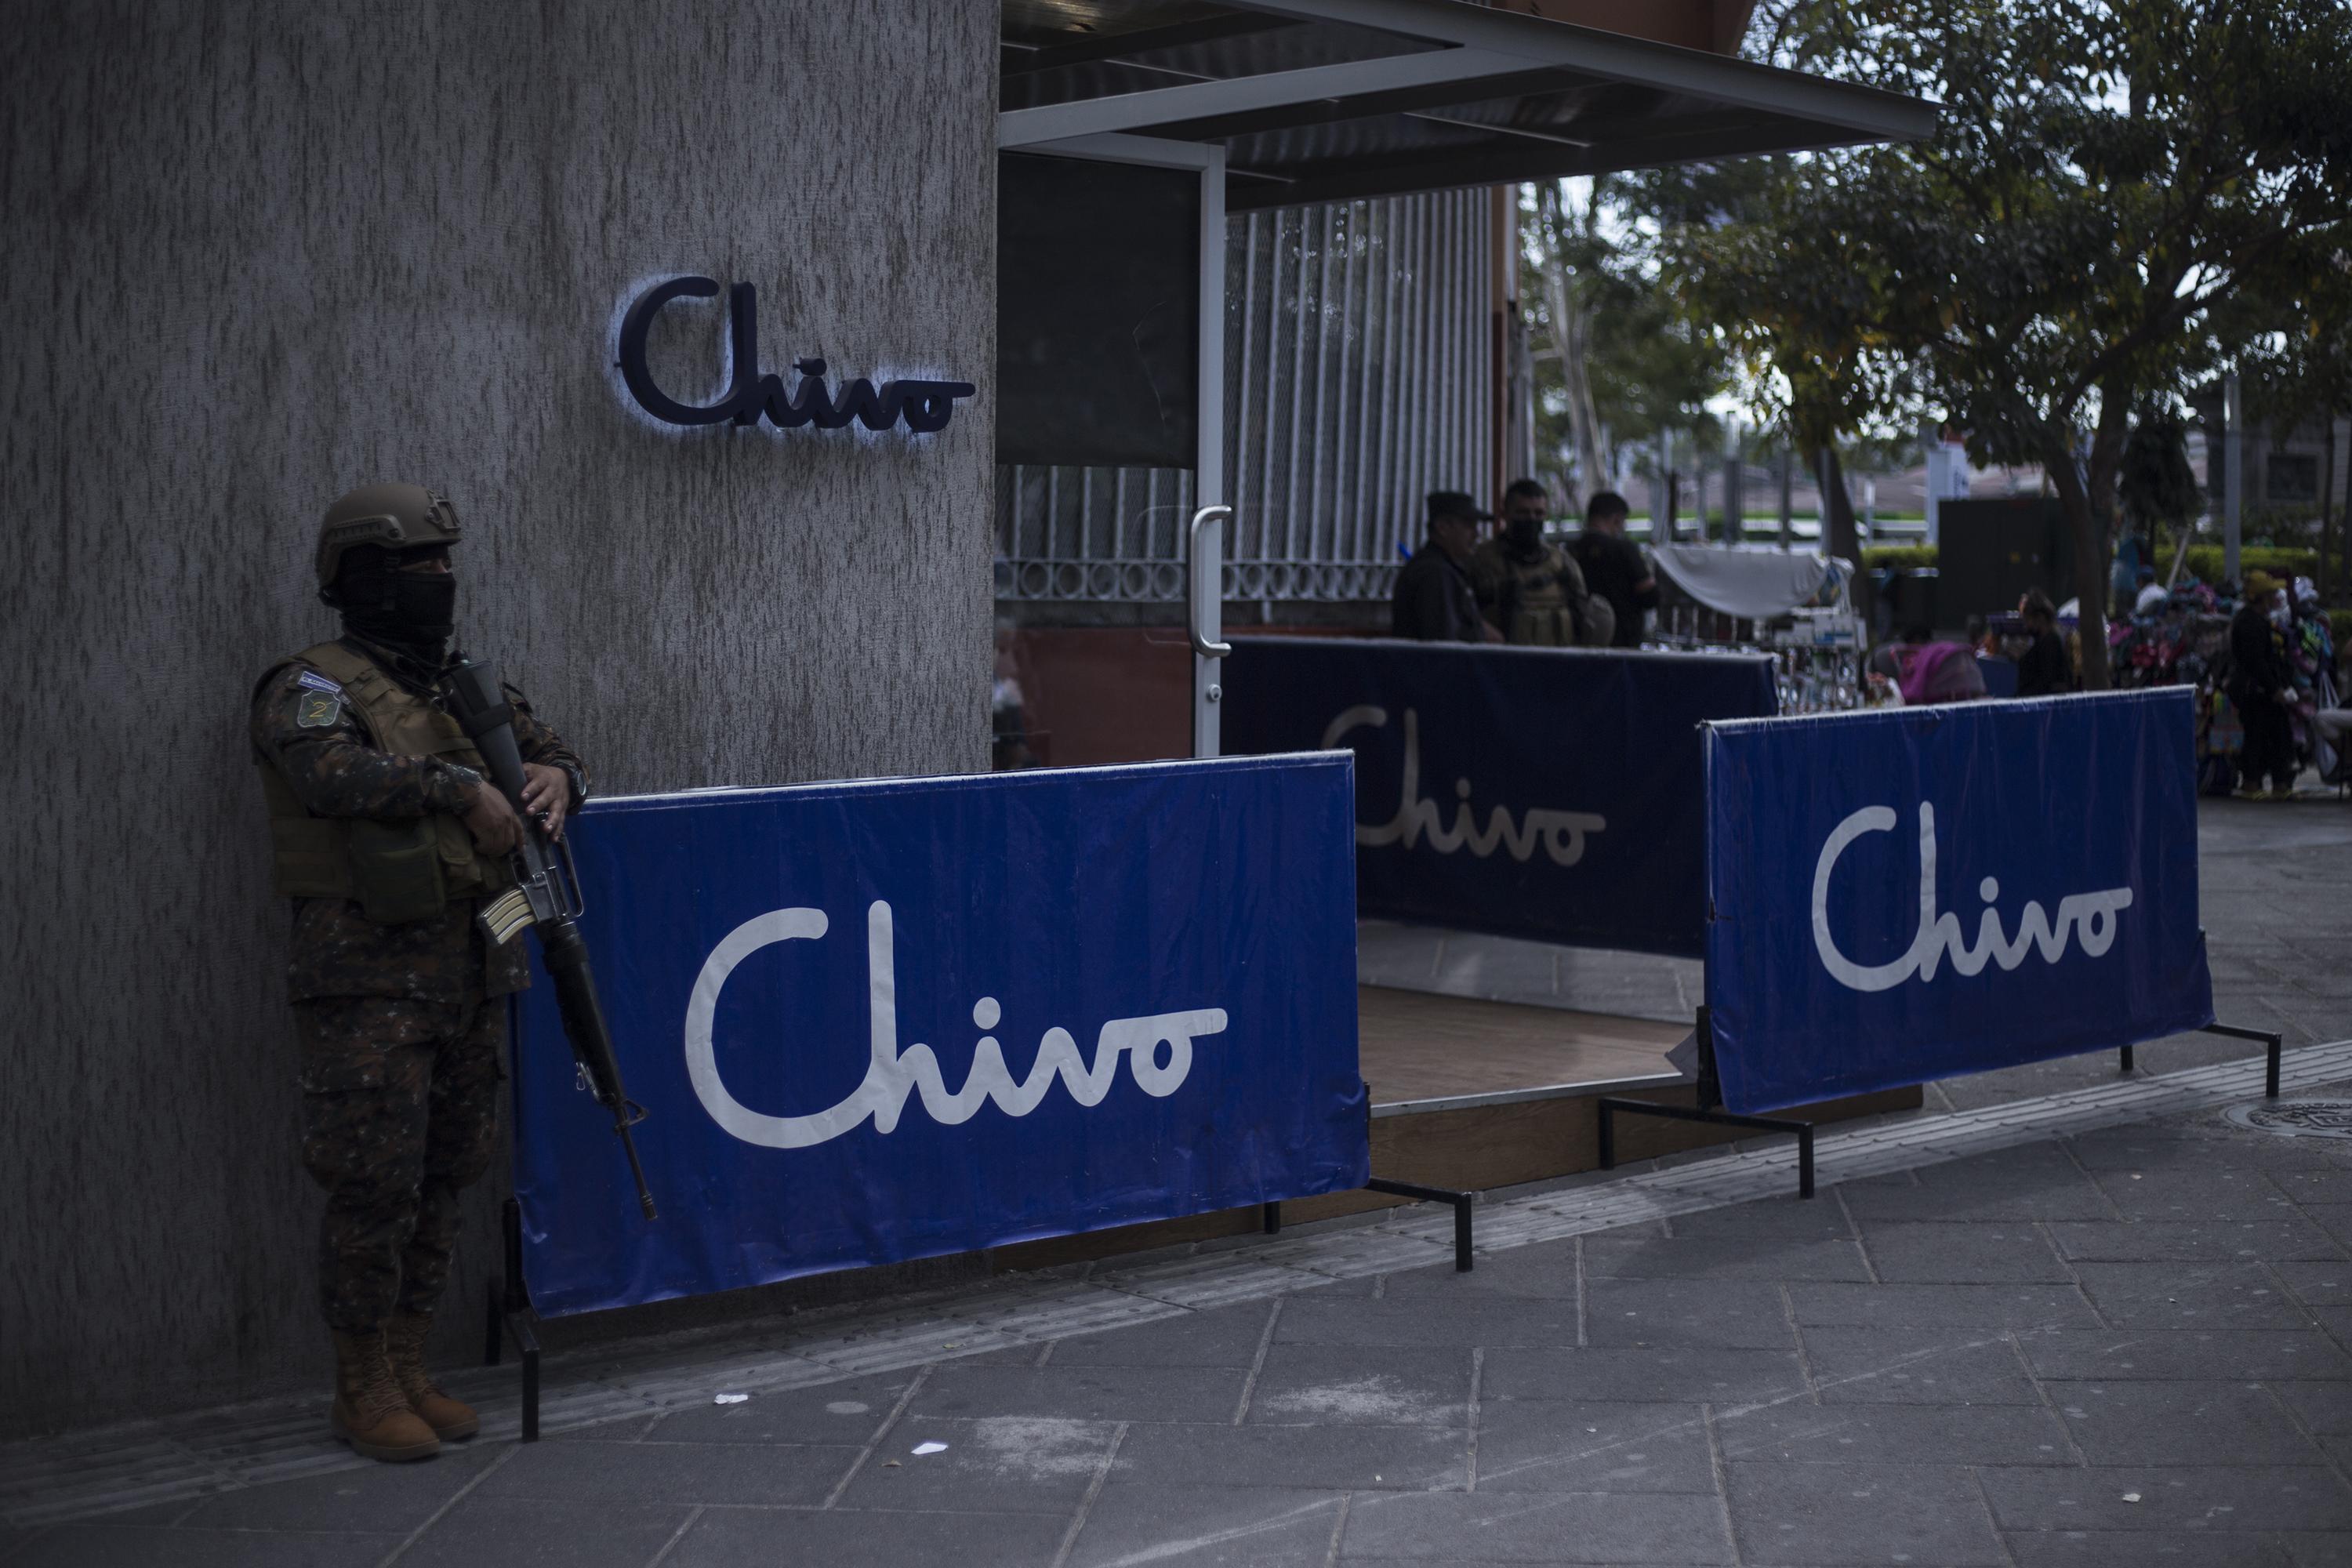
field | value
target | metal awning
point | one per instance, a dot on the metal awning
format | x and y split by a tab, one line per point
1334	100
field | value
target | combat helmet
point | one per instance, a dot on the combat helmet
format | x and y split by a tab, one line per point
394	516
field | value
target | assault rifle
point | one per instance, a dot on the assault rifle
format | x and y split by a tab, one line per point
546	897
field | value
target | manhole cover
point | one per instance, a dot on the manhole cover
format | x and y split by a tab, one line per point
2297	1117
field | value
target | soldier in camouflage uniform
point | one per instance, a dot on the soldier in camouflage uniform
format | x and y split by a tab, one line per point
387	837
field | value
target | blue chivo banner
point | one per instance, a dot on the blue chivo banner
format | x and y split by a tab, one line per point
1552	794
1907	895
885	1020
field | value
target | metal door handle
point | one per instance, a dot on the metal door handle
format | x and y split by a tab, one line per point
1202	645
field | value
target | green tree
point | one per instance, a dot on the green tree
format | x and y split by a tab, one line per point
2103	176
1617	362
2155	480
1570	260
2298	365
1809	339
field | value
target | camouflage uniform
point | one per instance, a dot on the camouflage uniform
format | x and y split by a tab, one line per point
400	1025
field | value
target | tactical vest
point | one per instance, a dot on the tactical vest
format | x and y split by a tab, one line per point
1533	600
397	870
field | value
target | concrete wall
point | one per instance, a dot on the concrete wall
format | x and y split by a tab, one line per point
258	251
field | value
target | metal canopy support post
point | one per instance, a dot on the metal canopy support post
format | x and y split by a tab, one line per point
1208	581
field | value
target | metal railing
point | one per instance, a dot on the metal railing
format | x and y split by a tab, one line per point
1357	380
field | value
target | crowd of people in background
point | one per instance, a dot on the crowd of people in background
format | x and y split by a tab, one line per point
2268	691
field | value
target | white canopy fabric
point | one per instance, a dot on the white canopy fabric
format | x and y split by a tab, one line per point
1753	584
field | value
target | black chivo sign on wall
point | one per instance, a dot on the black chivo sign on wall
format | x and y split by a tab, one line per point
925	406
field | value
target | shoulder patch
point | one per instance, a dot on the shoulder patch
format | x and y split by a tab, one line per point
319	710
317	682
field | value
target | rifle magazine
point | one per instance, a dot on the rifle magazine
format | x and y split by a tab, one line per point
505	915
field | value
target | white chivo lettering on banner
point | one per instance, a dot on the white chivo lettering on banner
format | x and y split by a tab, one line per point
2091	916
891	1077
1561	833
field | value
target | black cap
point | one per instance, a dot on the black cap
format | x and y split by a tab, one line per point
1456	504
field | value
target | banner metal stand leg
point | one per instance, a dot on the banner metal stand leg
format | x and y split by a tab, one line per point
2271	1038
1708	1092
1609	1105
1462	1202
510	1314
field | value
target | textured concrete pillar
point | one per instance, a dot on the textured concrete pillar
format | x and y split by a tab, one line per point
259	251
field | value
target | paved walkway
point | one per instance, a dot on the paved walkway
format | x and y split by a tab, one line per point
2101	1340
2057	1319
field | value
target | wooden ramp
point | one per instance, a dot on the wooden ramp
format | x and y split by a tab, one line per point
1474	1095
1425	1053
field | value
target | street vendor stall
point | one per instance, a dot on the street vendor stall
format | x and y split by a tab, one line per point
1795	606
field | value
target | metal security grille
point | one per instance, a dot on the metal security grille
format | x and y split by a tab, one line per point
1357	380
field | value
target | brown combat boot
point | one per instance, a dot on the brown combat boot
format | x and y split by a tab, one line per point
370	1413
403	1343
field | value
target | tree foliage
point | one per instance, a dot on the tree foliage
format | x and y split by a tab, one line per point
2103	180
1617	362
2156	481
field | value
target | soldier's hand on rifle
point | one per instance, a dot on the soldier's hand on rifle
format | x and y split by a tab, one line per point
496	828
548	792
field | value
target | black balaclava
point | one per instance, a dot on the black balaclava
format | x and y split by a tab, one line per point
1525	536
408	617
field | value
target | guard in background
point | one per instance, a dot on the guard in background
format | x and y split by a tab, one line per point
387	837
1531	589
1613	567
1433	601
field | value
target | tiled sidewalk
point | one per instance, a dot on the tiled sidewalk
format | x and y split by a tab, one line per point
2090	1343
